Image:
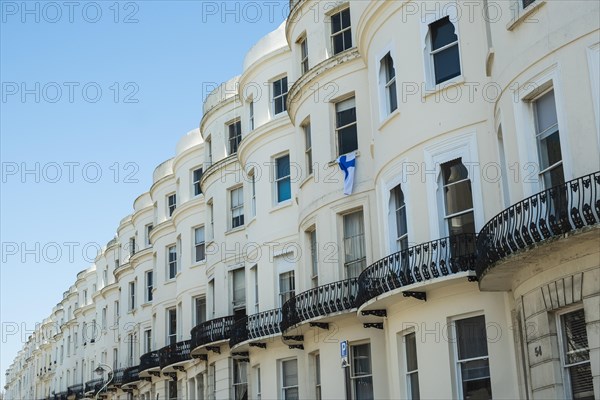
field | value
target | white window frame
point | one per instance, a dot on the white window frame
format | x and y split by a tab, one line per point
337	128
241	304
147	340
561	347
339	10
237	135
195	301
253	193
354	377
148	285
429	68
258	382
242	383
303	52
196	244
308	156
251	120
283	268
460	146
171	337
314	256
531	89
131	297
407	373
171	204
593	54
384	89
196	183
171	262
281	374
233	208
278	179
148	229
446	217
282	95
455	356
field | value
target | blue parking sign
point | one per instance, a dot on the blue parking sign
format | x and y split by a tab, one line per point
344	353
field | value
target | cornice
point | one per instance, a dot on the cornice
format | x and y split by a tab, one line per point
181	157
260	134
222	104
317	72
295	6
256	65
108	288
217	167
159	229
182	211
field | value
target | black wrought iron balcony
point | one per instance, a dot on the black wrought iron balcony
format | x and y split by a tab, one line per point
320	301
118	377
420	263
132	374
255	326
94	385
174	353
548	214
75	390
149	360
60	396
212	331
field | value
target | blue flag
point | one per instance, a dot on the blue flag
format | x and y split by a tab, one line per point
347	164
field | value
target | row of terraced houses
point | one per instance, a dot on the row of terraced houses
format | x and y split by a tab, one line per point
465	263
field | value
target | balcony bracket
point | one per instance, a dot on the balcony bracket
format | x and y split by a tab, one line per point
296	338
240	354
296	346
203	357
472	278
214	349
322	325
145	378
127	390
179	368
172	375
154	373
416	295
259	345
376	325
376	313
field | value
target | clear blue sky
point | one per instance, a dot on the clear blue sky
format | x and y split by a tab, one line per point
53	60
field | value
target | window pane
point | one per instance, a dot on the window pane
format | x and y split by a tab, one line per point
442	33
454	171
336	23
413	381
545	112
345	18
284	190
199	235
550	152
446	64
348	140
458	197
345	117
361	360
338	43
582	385
363	387
575	337
283	166
411	352
471	338
290	373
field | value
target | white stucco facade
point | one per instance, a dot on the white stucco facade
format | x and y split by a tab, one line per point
465	263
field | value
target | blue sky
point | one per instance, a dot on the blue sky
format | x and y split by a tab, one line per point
94	96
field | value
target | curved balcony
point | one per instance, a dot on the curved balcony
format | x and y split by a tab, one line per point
131	375
549	214
149	361
320	301
255	327
212	331
118	377
76	391
174	354
417	264
94	386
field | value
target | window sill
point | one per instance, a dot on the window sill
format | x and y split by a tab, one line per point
456	81
171	280
389	118
198	263
282	205
236	229
146	304
523	14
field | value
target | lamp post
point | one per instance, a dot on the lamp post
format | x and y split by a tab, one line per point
100	371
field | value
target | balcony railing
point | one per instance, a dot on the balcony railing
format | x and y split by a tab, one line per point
550	213
149	360
59	396
118	377
132	374
420	263
174	353
212	331
255	326
94	385
320	301
75	390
